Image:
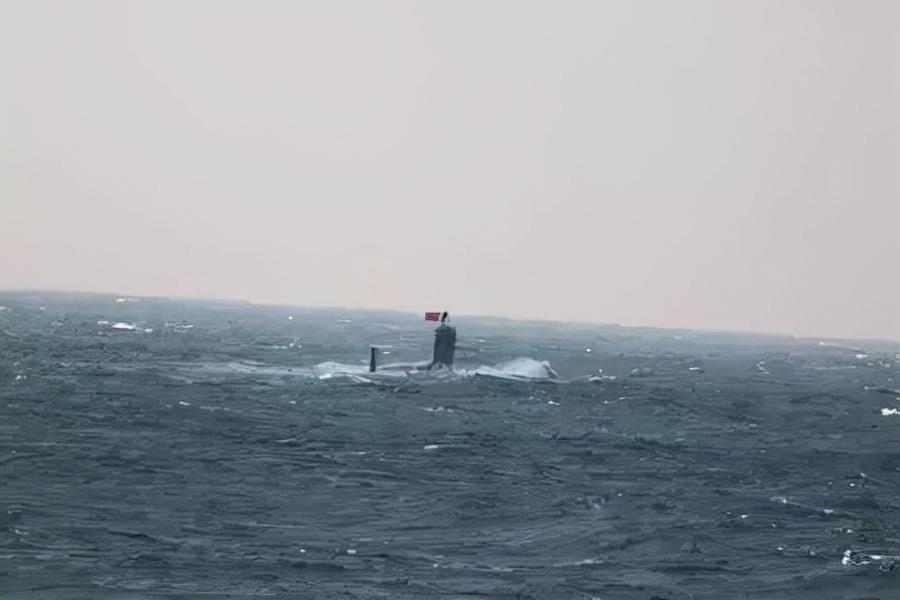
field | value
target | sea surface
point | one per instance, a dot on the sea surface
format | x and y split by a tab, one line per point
155	448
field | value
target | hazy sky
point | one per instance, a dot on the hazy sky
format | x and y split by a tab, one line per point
714	164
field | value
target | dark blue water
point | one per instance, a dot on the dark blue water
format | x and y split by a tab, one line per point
235	452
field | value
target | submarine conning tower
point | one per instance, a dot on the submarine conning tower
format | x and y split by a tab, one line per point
444	344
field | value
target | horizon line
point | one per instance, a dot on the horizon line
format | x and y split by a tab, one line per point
469	315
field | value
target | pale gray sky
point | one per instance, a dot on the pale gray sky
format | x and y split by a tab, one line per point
714	164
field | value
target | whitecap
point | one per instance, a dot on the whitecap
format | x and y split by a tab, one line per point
859	558
601	378
517	369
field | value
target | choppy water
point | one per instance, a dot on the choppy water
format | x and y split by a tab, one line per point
253	455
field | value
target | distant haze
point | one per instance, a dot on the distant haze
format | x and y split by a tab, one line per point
693	164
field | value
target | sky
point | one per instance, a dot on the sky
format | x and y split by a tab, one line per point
703	164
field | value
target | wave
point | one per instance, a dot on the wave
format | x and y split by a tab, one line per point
858	558
358	373
517	369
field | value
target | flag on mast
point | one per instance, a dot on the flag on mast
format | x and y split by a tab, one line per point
432	316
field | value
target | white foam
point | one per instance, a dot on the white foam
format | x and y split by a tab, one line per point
857	558
358	373
324	371
581	563
431	447
517	369
887	412
601	378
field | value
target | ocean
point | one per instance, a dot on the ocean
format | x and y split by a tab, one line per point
157	448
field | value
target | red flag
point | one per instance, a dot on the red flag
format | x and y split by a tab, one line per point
432	316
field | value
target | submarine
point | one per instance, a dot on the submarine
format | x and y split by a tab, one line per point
444	344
